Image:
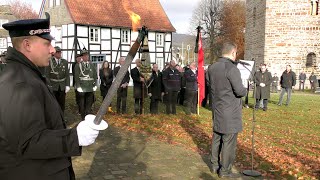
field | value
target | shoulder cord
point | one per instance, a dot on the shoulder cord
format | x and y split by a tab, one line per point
53	67
82	71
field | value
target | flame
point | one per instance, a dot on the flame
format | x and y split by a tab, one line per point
135	18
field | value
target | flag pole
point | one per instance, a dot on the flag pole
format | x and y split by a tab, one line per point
198	101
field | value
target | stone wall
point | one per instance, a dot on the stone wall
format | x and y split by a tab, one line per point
288	33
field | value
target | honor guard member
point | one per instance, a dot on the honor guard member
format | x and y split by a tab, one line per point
34	141
85	81
58	76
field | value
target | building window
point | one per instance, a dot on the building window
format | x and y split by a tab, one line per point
58	34
96	58
125	36
311	60
3	43
3	21
94	35
314	10
159	40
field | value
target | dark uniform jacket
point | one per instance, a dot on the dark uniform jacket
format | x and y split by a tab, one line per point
171	79
34	143
226	89
137	84
106	81
58	74
266	78
85	77
126	77
155	87
288	80
191	79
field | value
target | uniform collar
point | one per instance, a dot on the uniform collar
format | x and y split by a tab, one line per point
15	56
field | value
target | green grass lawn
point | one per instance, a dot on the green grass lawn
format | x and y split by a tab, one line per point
287	139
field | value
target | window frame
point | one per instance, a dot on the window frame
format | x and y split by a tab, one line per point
3	43
125	40
159	39
100	57
96	35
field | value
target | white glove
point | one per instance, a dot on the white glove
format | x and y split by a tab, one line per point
86	135
67	89
94	88
149	94
262	85
79	89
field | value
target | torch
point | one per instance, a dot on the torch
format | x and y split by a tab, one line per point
122	71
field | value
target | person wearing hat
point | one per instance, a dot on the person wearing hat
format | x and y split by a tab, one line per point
34	141
58	76
85	81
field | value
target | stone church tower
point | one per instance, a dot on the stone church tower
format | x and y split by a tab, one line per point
281	32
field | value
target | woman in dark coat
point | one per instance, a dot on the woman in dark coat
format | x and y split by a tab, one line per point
106	77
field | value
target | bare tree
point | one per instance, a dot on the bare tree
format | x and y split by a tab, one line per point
22	10
208	15
233	23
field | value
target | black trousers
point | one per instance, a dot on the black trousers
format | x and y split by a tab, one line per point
77	99
171	102
61	98
86	100
191	98
138	105
154	104
265	103
181	96
223	151
122	94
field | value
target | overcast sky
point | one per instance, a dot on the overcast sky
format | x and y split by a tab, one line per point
178	11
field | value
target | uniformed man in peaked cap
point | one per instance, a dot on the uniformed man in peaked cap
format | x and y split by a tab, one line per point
58	76
85	81
34	141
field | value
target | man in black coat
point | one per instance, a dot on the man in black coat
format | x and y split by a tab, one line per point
34	141
287	81
138	87
191	95
122	92
302	80
171	79
263	80
155	89
78	61
226	89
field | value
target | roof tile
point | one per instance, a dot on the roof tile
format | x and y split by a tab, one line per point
112	13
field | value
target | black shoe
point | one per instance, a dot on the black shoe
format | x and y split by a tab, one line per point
230	175
265	109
